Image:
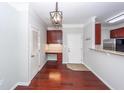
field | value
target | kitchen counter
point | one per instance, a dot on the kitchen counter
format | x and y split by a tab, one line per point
107	51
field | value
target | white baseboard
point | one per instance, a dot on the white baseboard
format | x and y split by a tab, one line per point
98	76
24	83
21	84
38	70
14	86
64	62
42	65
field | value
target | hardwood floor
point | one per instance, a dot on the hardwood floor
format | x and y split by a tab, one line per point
57	77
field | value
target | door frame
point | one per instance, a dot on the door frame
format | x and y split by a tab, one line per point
31	27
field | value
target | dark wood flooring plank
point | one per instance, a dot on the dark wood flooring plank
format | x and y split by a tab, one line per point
55	76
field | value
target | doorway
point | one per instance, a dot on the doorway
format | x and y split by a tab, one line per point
34	51
74	48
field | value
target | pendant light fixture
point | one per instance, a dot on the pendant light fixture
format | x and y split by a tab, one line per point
56	16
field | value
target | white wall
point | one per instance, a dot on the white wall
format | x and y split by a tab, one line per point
14	43
23	24
66	30
12	46
9	46
88	38
35	20
116	26
108	67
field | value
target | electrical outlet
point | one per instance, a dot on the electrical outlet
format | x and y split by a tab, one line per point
1	82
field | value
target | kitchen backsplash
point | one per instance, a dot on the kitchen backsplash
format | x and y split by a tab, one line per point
53	47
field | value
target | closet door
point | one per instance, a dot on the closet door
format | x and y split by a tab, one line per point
74	44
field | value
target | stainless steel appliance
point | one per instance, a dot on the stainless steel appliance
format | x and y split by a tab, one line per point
109	44
114	44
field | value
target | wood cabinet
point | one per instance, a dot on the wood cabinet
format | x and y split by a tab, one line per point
59	58
117	33
97	34
54	37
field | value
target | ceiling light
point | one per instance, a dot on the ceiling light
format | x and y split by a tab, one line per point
116	18
56	16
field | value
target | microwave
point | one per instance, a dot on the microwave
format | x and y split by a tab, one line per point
114	44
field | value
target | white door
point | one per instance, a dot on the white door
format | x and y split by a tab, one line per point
74	44
35	51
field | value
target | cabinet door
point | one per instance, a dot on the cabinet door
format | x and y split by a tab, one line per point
59	57
113	34
121	33
49	37
98	34
59	37
117	33
54	37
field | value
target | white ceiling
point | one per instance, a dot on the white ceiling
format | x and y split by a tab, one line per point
79	12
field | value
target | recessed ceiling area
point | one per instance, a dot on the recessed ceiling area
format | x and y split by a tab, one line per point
79	12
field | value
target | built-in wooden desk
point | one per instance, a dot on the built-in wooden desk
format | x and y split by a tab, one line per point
59	56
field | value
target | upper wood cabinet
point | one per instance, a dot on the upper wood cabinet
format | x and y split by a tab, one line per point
117	33
97	34
54	37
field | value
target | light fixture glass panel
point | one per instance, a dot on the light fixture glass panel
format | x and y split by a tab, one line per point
56	16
